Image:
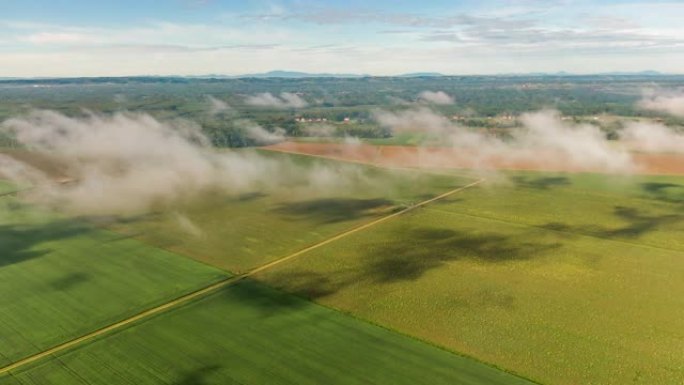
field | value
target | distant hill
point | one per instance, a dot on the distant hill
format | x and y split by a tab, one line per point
297	75
641	73
421	75
300	75
294	75
564	73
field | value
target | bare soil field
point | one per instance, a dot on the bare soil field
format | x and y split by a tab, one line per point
463	158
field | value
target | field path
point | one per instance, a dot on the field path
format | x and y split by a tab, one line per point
180	301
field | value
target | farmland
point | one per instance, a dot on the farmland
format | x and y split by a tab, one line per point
61	278
230	232
6	188
251	334
542	274
365	235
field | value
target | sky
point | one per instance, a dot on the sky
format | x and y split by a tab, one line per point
62	38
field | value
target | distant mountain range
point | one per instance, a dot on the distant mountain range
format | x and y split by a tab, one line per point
281	74
643	73
421	75
300	75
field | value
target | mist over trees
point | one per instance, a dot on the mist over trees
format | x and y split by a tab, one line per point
228	110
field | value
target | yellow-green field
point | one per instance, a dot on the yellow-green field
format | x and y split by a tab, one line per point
240	233
563	279
246	333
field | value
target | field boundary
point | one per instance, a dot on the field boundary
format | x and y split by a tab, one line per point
430	171
198	294
328	157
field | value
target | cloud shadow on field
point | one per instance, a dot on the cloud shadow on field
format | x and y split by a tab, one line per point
308	283
250	196
638	223
411	254
69	281
18	242
419	250
664	191
265	300
198	376
331	210
541	183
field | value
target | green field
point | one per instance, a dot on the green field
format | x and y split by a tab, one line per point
62	278
6	188
566	279
538	273
240	233
251	334
530	277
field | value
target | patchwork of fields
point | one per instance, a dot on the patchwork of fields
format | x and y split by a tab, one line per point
251	334
543	275
246	323
61	278
561	278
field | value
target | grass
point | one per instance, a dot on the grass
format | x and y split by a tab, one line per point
6	188
240	233
251	334
566	279
61	278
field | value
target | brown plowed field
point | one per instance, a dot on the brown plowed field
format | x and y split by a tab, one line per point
445	157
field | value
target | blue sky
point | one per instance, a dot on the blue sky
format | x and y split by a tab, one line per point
185	37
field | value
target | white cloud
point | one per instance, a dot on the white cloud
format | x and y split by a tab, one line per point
130	163
259	134
58	38
286	100
217	106
439	97
652	137
361	59
543	139
319	129
671	102
484	41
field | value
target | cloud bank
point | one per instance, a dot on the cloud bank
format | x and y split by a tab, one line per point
129	163
542	138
